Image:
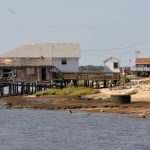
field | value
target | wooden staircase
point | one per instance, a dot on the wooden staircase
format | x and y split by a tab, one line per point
56	73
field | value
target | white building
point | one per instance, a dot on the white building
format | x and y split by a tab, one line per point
112	65
142	66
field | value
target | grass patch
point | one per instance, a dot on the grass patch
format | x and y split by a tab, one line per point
146	82
132	92
70	91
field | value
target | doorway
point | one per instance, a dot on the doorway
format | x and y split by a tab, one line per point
43	74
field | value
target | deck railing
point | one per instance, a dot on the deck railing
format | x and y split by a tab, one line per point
142	68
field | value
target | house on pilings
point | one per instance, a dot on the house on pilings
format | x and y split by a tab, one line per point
39	62
142	67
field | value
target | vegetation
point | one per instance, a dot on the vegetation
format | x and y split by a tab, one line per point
91	68
70	91
146	81
137	78
132	92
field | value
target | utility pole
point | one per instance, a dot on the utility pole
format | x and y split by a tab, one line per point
129	63
52	64
137	52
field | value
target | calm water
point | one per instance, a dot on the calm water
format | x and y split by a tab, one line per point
59	130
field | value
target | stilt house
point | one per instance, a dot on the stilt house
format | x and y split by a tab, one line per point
142	66
39	61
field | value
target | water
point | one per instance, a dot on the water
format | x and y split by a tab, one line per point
59	130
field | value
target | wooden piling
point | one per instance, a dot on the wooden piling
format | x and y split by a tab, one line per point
22	88
10	89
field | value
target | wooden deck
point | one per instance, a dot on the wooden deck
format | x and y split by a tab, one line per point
21	88
90	76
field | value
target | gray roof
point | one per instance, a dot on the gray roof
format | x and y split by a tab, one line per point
55	50
17	62
111	58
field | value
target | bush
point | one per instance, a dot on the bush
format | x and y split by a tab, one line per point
132	92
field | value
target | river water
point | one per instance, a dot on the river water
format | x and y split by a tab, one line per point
60	130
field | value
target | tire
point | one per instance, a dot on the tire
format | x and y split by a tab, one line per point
121	99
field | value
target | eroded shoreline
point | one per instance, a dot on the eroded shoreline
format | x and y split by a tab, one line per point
138	108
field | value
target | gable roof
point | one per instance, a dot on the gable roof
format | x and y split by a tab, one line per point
55	50
142	60
111	58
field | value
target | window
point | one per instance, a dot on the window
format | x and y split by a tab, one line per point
9	72
64	61
115	65
30	71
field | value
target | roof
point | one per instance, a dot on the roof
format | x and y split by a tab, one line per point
55	50
30	62
142	61
111	58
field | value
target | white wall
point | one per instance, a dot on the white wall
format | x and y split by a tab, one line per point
109	66
71	66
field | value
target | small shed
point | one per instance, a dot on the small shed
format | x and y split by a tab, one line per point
112	65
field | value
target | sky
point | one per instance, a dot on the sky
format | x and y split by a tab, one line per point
104	28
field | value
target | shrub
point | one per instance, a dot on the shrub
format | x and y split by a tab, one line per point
132	92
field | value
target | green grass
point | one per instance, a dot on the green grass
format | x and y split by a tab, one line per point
137	78
70	91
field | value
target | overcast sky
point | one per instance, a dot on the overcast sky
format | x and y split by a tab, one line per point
104	28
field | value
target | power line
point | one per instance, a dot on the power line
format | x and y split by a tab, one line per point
12	11
97	52
119	48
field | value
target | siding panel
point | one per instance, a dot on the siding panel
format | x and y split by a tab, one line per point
71	66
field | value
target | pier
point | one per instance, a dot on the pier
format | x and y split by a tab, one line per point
89	79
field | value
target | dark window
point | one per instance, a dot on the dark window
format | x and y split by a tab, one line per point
64	61
115	65
9	72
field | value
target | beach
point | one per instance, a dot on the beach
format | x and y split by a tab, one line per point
100	102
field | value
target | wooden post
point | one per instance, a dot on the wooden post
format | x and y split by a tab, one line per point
1	91
105	83
22	88
45	86
85	83
35	87
31	88
10	89
61	85
28	88
13	88
17	88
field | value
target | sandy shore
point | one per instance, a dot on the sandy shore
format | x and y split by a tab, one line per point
140	102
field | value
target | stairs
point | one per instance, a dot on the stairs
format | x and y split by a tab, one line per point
124	79
56	73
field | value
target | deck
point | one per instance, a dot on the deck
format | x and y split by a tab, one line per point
22	87
100	76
